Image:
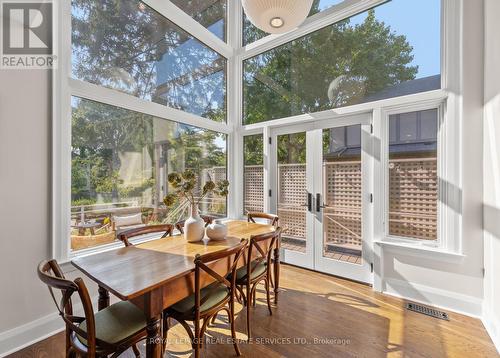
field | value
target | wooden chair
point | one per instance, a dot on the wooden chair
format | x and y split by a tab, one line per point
273	219
124	236
257	269
110	331
205	303
207	219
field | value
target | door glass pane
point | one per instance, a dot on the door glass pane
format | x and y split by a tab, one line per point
253	185
127	46
210	13
413	181
292	194
342	195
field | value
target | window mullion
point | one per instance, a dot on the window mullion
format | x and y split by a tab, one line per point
187	23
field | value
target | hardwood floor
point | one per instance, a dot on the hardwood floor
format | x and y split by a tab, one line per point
323	316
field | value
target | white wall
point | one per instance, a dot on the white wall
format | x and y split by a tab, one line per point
26	310
491	312
454	283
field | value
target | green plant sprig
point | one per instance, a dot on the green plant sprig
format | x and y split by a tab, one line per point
184	184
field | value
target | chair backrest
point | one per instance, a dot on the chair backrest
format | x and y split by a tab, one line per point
127	234
273	219
260	249
228	262
207	219
51	274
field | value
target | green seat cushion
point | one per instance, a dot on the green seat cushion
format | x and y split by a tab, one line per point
116	322
217	292
258	269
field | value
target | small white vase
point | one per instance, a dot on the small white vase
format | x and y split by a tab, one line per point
194	226
217	230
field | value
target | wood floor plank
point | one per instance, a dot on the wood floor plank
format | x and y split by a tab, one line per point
323	316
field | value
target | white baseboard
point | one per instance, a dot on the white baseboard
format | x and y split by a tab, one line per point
451	301
35	331
492	326
25	335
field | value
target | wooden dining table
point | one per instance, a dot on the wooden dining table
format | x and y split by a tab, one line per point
158	273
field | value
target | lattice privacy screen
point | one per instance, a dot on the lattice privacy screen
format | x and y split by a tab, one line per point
412	199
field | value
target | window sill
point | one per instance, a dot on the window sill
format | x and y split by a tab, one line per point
420	250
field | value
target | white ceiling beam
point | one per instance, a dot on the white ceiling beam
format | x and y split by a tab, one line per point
167	9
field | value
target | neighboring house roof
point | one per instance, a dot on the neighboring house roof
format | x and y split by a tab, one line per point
405	88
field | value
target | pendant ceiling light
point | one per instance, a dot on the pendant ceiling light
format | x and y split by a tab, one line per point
277	16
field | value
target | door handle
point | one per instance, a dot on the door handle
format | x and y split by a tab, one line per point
309	202
318	202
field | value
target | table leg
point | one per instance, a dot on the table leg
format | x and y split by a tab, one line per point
154	339
103	298
276	273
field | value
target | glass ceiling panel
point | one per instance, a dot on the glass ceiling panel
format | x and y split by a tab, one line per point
210	13
382	53
251	33
127	46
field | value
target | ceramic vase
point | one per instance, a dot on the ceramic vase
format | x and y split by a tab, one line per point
194	226
217	230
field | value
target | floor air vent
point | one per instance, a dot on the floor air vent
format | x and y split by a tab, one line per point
415	307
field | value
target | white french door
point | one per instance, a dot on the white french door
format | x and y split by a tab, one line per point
320	180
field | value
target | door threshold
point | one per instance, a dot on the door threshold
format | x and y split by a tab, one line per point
329	274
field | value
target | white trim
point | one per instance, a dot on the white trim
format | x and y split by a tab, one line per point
123	100
419	249
452	113
61	137
358	272
269	177
233	100
168	10
445	241
27	334
448	300
419	98
492	325
35	331
336	13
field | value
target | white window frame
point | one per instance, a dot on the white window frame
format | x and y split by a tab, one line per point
382	191
448	98
65	86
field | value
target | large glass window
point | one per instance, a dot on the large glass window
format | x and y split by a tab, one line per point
209	13
127	46
251	33
382	53
253	184
120	161
413	181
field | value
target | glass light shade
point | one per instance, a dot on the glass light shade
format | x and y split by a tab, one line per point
277	16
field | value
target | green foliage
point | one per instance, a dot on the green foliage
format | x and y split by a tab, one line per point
336	66
83	202
131	191
253	148
184	185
